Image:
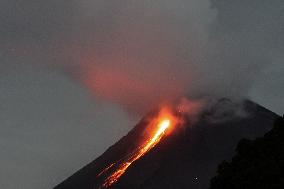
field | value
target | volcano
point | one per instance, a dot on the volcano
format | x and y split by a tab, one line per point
186	158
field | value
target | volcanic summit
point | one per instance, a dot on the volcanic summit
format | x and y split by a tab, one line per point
187	157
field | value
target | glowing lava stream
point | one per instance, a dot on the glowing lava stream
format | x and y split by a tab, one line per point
162	126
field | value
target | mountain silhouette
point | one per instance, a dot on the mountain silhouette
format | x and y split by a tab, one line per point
187	158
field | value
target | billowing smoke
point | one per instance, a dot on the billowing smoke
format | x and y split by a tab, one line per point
141	53
145	52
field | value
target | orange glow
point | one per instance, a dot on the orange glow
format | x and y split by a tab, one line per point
127	87
161	125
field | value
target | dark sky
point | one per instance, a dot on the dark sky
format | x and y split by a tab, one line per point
57	112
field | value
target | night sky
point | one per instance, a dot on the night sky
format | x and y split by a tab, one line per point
75	76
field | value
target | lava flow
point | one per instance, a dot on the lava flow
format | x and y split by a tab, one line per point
160	125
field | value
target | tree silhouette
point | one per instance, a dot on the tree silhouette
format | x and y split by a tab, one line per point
258	163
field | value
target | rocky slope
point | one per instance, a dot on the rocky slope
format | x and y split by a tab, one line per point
188	158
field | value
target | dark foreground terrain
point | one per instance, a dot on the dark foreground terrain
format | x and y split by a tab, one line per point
258	164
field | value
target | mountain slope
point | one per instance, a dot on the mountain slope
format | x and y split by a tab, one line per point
187	158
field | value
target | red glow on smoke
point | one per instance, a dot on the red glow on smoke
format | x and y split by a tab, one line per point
135	91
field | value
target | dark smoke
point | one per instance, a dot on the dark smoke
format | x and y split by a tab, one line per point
141	53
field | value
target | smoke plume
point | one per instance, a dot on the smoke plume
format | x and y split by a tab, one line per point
141	53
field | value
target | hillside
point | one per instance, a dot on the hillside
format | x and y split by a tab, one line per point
188	158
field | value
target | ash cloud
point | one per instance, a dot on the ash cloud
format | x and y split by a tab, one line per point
141	53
